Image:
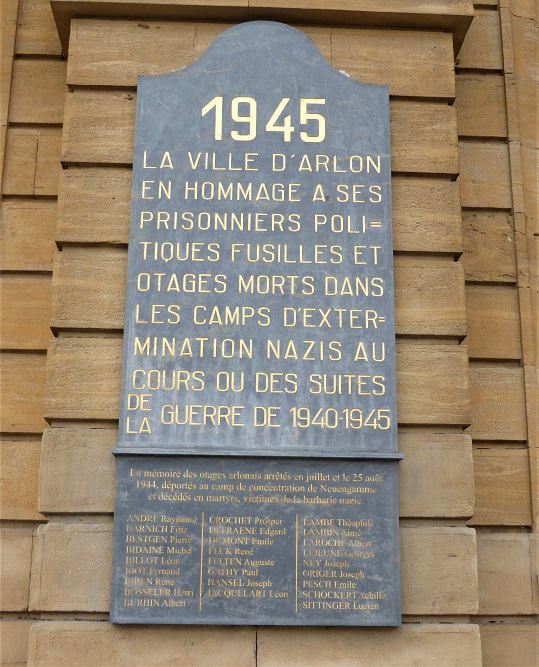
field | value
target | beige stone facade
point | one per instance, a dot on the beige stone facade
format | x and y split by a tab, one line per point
464	116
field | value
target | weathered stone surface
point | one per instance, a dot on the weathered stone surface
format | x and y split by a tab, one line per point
417	645
22	386
502	485
71	567
77	470
509	645
25	312
37	91
14	633
435	475
36	30
493	322
411	63
503	561
485	180
87	644
32	161
15	559
27	234
480	104
19	470
439	570
482	47
498	401
489	246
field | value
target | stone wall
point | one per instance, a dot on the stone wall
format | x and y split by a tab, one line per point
463	148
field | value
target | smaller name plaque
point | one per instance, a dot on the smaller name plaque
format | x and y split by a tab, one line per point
294	542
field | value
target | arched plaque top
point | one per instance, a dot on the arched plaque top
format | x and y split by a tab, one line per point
263	63
260	159
270	45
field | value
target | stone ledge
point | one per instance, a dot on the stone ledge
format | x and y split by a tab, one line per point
91	644
410	645
100	644
453	16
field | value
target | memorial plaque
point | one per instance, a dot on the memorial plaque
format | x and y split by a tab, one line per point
259	344
265	541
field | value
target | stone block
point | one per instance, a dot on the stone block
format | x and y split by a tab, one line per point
37	91
510	645
498	401
438	570
36	30
482	47
91	644
14	633
418	645
485	178
15	560
27	234
77	470
505	580
436	477
32	160
492	313
25	311
71	567
22	387
502	486
19	471
489	246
